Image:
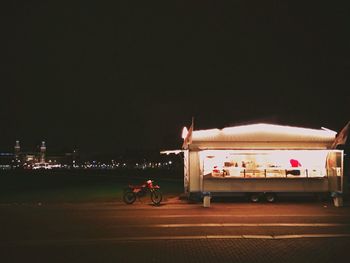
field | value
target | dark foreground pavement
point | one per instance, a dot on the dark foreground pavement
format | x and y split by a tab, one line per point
220	250
175	232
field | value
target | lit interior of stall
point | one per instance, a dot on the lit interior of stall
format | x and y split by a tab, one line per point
267	163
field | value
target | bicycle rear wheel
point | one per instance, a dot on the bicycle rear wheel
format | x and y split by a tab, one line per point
129	197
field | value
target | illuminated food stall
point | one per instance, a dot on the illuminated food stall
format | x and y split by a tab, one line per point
262	160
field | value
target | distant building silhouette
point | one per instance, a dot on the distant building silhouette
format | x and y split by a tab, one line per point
31	159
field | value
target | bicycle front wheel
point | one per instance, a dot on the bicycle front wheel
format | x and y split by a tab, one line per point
156	197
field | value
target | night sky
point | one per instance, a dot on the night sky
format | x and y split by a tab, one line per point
106	77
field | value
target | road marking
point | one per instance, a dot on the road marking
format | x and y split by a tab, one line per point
223	215
155	238
247	215
310	235
235	225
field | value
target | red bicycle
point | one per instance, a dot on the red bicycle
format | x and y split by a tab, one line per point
136	191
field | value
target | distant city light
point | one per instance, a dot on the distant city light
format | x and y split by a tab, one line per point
41	159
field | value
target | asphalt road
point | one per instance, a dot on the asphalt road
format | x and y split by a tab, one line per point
176	231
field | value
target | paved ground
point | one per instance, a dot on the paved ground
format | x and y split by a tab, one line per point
176	231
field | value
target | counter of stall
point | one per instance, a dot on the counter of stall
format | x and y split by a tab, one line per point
269	164
267	172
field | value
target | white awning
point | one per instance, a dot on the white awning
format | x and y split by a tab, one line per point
264	136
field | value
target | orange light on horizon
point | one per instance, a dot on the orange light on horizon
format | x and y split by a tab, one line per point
184	133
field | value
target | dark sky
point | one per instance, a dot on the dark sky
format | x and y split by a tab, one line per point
107	77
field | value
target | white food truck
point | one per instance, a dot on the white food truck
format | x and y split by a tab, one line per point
263	161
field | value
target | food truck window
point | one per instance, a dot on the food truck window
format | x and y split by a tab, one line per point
264	164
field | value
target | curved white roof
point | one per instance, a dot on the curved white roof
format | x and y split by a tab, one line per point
264	134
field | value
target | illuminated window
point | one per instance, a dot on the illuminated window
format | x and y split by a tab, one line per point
269	163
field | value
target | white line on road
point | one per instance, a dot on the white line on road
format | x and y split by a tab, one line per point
235	225
247	215
227	215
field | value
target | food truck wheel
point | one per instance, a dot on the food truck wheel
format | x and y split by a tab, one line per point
255	197
322	197
195	197
270	197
